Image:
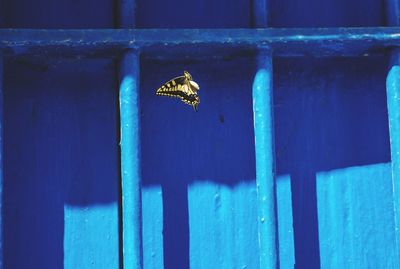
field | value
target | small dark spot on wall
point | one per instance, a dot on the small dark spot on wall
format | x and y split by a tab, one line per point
221	118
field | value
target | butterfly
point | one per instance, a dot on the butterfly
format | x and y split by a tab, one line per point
182	87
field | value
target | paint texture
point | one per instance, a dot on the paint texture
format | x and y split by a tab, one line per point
352	218
130	161
393	104
1	161
99	172
214	43
265	171
152	231
61	169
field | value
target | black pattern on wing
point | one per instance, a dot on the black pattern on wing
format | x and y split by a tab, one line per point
180	87
168	86
189	99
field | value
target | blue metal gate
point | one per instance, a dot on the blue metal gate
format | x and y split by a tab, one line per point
292	161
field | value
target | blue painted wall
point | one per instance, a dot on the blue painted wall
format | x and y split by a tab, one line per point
58	14
327	13
331	119
61	184
330	114
62	167
204	163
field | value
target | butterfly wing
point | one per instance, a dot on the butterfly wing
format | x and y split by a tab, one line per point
171	85
181	88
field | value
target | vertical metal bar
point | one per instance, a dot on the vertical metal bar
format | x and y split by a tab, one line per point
1	158
130	162
1	142
127	14
393	104
130	147
392	10
265	168
260	13
264	142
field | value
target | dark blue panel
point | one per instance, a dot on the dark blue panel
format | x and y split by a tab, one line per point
193	14
329	114
180	146
287	13
58	14
61	158
326	13
62	165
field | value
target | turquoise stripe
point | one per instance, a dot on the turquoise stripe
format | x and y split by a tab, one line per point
130	161
263	130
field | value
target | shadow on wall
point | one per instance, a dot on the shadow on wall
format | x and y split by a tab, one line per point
329	114
61	164
180	146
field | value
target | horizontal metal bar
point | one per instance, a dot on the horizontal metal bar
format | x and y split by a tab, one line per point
202	42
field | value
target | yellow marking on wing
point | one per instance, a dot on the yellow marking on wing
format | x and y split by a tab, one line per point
185	89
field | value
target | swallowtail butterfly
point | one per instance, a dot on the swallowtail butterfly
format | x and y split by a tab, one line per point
182	87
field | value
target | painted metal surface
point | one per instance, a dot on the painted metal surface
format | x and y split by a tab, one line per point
127	13
265	152
184	42
285	221
260	10
61	165
204	164
152	208
332	143
130	161
223	225
265	164
335	205
193	14
131	189
392	12
362	209
1	162
83	229
327	13
45	14
393	103
60	137
392	91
